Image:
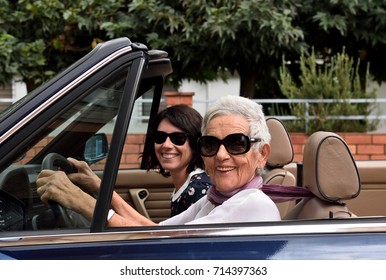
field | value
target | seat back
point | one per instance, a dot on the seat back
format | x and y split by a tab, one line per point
331	174
282	153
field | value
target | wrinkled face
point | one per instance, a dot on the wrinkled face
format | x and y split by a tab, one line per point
173	158
229	172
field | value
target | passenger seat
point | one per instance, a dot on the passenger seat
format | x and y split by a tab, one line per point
282	153
331	174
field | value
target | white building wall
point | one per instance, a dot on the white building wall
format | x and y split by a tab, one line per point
206	93
19	89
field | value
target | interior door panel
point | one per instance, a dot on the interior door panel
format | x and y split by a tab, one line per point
148	192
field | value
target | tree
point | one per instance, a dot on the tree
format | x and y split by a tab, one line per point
40	38
206	39
359	26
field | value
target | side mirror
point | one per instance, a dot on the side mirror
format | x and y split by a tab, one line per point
96	148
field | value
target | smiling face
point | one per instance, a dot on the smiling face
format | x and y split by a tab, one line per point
229	172
173	158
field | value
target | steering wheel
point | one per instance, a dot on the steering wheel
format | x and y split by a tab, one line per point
54	161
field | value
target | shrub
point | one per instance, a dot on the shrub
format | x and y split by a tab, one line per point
337	78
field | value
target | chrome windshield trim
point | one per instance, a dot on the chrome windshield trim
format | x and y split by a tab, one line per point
62	92
167	233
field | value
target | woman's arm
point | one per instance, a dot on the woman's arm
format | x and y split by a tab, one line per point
125	215
56	186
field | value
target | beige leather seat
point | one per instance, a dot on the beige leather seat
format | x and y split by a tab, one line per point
282	153
330	173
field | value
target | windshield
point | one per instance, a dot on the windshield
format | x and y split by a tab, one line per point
93	112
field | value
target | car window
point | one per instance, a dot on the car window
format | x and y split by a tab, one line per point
94	112
135	135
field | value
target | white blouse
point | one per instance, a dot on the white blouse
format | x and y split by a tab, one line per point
250	205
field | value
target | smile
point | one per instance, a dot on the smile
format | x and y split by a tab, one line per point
225	169
168	156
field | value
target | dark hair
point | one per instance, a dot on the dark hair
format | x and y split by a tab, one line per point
185	118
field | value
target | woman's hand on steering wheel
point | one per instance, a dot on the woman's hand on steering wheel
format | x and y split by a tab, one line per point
55	162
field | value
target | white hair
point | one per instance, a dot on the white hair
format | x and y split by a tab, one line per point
237	105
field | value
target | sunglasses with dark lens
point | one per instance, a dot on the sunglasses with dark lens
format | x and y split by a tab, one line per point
177	138
235	144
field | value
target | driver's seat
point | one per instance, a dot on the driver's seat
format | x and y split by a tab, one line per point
331	174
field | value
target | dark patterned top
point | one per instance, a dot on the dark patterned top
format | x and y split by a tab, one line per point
196	187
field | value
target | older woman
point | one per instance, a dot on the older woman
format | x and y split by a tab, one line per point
235	147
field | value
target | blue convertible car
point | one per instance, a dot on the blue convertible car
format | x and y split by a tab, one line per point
86	112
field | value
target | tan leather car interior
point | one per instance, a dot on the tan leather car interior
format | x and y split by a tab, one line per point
331	174
147	191
282	153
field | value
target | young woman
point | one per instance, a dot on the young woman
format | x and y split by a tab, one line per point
175	132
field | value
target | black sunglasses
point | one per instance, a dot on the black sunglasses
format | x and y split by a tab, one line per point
177	138
235	144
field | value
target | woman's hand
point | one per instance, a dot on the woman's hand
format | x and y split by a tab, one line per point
85	177
56	186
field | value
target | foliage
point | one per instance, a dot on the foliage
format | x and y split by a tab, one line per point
41	38
338	79
357	25
206	39
21	60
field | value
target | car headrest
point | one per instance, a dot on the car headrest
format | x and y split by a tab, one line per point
282	152
329	169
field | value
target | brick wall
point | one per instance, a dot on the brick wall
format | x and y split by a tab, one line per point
363	146
5	92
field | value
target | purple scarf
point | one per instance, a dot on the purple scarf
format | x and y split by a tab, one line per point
217	198
278	193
